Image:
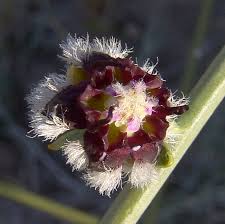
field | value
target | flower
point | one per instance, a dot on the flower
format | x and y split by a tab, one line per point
121	113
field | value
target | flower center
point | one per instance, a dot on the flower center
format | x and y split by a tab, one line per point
133	104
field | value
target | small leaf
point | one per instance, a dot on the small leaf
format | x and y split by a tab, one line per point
71	135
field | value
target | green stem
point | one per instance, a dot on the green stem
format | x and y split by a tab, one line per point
198	38
151	214
205	97
15	193
186	83
153	210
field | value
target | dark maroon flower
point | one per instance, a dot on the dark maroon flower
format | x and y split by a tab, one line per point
122	111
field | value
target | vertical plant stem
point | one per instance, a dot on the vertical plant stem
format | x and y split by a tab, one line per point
205	97
198	38
15	193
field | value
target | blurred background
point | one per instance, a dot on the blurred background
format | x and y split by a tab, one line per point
185	35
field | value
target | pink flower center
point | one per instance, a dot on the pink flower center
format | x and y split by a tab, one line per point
133	104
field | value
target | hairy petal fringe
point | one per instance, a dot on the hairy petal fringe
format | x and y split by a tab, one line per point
45	90
173	133
42	126
75	154
175	101
106	181
142	173
112	47
77	49
47	128
149	67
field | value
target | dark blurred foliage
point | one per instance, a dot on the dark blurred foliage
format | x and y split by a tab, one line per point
30	33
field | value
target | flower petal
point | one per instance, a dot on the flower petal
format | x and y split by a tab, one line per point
94	145
102	79
133	125
138	138
66	104
116	157
95	99
147	153
76	75
153	81
162	94
97	61
163	111
114	138
155	127
122	76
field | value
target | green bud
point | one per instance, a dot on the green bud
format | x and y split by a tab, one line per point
165	158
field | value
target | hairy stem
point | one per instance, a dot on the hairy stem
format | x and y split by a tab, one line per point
205	97
15	193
